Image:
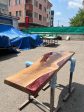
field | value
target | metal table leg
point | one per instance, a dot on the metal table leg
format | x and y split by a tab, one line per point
28	101
53	83
52	99
31	98
72	68
52	91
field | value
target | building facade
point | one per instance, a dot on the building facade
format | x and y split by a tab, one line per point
31	12
52	18
3	8
5	18
83	4
8	20
4	2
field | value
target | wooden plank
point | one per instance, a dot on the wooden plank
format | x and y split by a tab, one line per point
32	79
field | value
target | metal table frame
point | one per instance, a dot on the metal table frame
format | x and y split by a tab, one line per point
53	83
50	41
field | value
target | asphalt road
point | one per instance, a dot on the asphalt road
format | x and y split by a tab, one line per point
11	63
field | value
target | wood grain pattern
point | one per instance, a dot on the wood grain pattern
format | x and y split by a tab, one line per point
33	78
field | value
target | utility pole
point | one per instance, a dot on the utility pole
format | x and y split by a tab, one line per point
58	22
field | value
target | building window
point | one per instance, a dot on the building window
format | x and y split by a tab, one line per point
45	9
40	6
40	17
28	1
17	2
29	13
18	13
36	3
44	19
0	10
44	0
10	13
9	2
35	15
3	11
47	15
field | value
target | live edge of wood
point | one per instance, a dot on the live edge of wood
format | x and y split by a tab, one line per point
32	79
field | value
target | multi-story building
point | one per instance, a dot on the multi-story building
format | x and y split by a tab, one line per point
31	12
4	1
52	18
4	6
4	15
83	4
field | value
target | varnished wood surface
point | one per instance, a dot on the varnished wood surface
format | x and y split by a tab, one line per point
36	76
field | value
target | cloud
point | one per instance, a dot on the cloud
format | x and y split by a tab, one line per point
58	13
75	3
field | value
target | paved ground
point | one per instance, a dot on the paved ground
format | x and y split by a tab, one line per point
11	98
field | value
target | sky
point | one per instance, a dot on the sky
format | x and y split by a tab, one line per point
64	10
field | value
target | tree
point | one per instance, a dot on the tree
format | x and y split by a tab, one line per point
78	19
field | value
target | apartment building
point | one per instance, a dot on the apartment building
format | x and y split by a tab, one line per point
4	6
4	2
31	12
52	18
5	18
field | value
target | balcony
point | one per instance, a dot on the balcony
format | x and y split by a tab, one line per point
29	14
30	20
28	1
29	7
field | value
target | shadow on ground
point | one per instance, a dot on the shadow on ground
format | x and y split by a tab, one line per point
7	54
74	104
52	45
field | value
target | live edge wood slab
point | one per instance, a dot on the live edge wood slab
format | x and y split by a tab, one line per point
32	79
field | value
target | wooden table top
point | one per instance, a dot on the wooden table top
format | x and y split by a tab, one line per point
32	79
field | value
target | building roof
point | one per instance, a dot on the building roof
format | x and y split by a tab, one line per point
50	4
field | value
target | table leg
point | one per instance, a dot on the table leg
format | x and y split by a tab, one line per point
70	89
52	99
28	101
52	91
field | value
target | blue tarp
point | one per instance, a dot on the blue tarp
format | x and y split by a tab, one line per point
4	41
10	36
